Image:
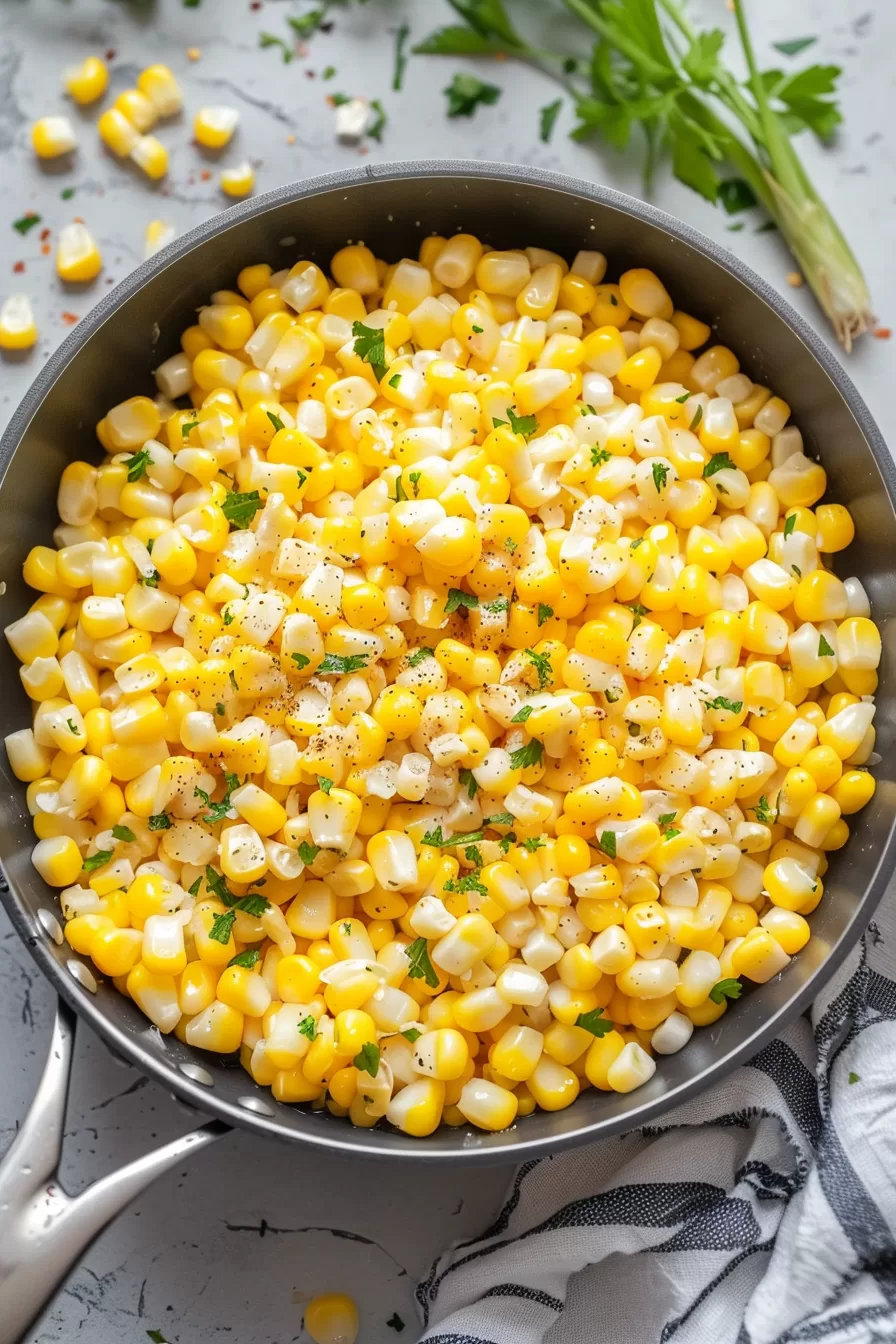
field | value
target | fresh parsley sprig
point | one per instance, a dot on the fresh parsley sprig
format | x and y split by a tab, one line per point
729	140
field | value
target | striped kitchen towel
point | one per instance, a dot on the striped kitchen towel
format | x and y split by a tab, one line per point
764	1212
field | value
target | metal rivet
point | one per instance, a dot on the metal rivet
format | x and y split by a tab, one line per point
79	972
50	925
255	1104
198	1074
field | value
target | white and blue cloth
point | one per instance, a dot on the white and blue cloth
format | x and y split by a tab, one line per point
764	1212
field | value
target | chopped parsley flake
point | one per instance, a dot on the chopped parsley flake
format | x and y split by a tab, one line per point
530	754
137	464
339	665
239	508
726	989
370	345
421	968
458	598
595	1022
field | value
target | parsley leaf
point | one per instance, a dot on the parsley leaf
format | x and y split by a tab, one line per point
698	416
370	345
218	811
458	598
789	524
682	399
530	754
763	811
639	611
544	612
308	1028
736	195
300	659
411	1034
599	456
607	843
824	648
542	664
253	904
467	781
510	545
377	126
324	784
401	59
156	1336
124	833
466	92
160	822
239	508
469	883
304	25
275	419
533	842
499	819
222	927
246	959
26	223
720	702
794	45
367	1060
414	478
419	656
718	462
393	382
726	989
341	665
137	464
308	853
666	819
218	887
465	838
659	471
853	1078
595	1022
547	117
270	40
97	860
421	967
522	714
522	424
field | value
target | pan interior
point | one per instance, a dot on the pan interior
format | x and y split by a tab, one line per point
111	356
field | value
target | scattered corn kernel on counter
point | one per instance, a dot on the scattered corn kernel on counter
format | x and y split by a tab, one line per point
441	697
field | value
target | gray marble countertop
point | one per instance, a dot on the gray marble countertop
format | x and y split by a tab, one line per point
230	1247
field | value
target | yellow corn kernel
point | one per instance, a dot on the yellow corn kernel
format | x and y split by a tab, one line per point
239	180
77	255
214	126
18	330
52	136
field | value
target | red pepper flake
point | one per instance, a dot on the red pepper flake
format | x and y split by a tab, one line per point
205	174
78	219
310	74
45	249
256	4
18	268
44	235
70	318
111	54
882	333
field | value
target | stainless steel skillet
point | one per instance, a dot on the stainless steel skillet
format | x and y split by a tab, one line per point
108	357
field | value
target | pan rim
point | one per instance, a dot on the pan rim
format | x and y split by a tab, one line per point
509	1146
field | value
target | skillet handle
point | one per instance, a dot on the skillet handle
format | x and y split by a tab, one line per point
43	1231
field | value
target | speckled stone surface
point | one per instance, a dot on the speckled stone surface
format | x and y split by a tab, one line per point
228	1249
